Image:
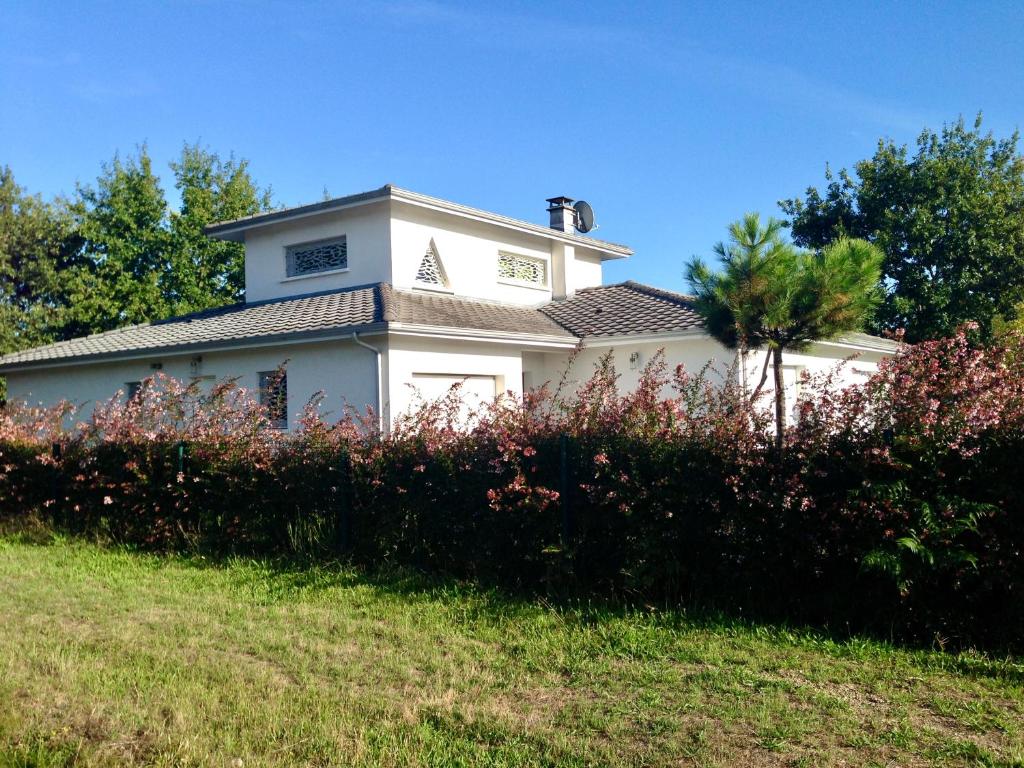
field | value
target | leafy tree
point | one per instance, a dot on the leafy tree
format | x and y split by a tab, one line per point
144	261
37	242
205	272
950	220
770	294
126	248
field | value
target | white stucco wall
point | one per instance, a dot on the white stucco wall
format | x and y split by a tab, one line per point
694	353
408	356
469	250
387	241
367	233
345	372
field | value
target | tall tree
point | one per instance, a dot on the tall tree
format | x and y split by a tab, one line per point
769	294
126	248
204	272
37	243
143	261
950	220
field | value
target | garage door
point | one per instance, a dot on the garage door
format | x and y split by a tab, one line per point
475	389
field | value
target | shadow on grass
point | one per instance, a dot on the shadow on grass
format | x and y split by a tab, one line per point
283	579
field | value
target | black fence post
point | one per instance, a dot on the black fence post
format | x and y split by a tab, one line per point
565	491
344	502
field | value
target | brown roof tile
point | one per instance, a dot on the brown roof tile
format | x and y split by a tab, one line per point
313	315
626	308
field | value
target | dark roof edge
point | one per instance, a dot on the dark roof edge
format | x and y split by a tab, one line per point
228	230
321	334
269	217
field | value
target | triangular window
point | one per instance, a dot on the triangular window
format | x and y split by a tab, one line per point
431	272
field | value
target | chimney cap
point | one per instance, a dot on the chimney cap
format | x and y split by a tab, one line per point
560	202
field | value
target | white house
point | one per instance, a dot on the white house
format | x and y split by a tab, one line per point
368	294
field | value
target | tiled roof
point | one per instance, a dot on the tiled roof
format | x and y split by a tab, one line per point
313	315
416	308
612	310
626	308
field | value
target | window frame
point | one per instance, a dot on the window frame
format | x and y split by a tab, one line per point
546	262
291	248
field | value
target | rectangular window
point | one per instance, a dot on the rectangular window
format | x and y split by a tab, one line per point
132	389
516	268
322	256
274	396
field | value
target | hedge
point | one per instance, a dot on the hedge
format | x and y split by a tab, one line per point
895	506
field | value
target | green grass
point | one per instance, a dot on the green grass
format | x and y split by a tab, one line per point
109	657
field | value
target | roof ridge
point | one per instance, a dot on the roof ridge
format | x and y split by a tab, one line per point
386	296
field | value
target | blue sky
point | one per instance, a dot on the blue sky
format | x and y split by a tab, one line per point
671	119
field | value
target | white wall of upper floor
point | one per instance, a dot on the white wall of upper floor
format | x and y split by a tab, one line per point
387	241
367	232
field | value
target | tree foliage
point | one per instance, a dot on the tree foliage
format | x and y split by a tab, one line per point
950	220
770	294
118	253
206	272
122	221
38	243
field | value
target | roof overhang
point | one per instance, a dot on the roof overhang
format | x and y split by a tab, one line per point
883	347
645	338
235	230
326	334
532	340
553	341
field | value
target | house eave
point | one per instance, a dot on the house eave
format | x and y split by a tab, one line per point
645	338
276	340
552	341
860	347
235	230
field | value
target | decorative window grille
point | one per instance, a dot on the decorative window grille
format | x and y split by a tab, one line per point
317	257
522	269
274	396
431	272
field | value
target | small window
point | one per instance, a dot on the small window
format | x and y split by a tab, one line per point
528	270
274	396
323	256
132	389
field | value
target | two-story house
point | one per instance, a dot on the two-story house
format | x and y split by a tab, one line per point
374	297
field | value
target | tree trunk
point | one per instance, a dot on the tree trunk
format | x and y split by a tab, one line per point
764	376
780	398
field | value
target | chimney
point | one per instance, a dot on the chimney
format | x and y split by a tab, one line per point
563	217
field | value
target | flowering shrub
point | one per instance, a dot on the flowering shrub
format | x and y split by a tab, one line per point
895	506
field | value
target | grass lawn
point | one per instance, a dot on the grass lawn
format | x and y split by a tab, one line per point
109	657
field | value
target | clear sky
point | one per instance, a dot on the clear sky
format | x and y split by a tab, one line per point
670	119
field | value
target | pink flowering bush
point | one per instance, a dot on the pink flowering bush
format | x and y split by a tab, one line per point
896	505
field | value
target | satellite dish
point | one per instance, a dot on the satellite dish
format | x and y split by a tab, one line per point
584	216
